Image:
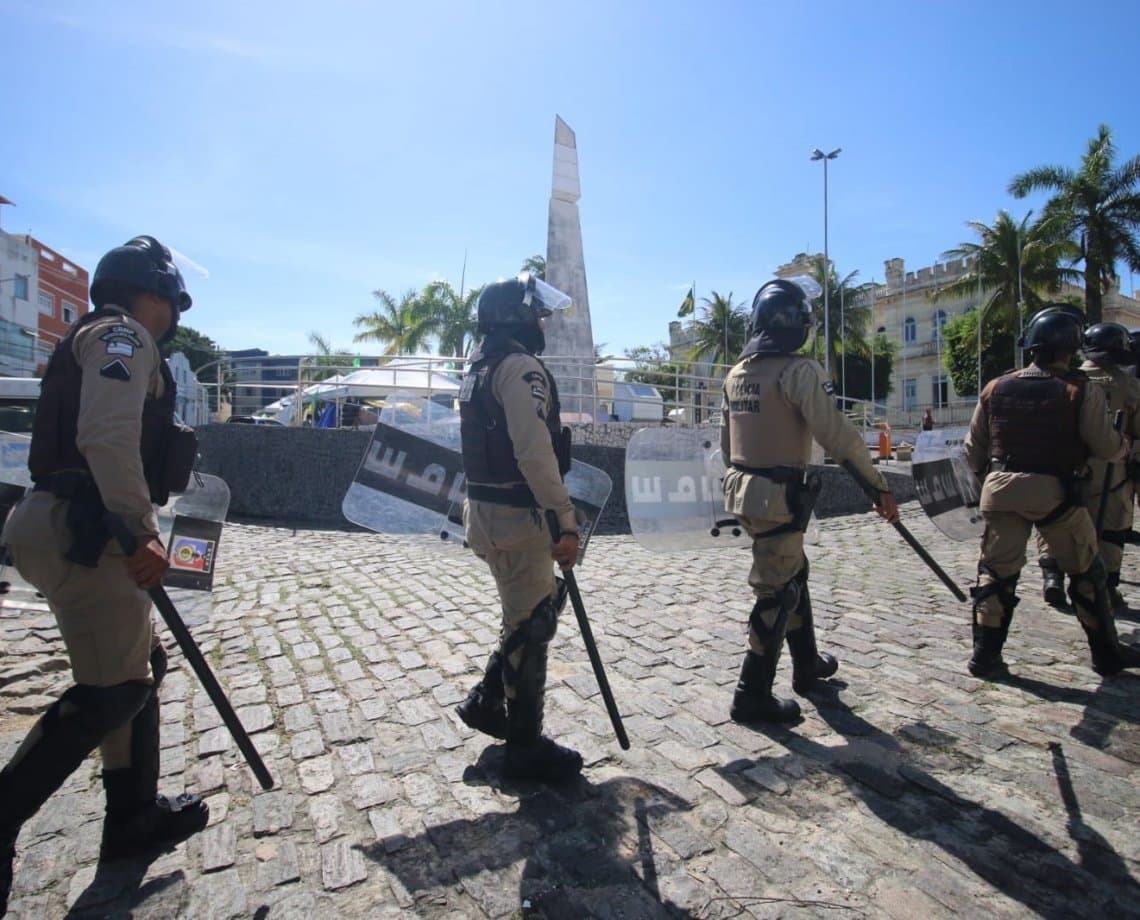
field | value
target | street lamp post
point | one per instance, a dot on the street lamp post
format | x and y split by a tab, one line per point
818	154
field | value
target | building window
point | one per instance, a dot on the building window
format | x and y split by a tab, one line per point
20	287
940	391
910	393
936	323
910	331
47	303
69	311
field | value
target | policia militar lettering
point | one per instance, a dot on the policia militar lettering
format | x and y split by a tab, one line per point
104	440
515	455
775	402
1030	440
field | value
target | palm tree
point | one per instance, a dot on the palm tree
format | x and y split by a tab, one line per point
723	332
536	265
1011	258
850	314
404	326
326	360
452	316
1097	206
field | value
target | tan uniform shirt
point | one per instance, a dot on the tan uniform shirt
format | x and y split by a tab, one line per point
772	409
1122	393
120	363
519	384
1034	492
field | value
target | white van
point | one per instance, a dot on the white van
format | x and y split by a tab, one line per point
18	398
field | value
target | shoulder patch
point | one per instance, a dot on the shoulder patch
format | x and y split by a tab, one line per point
116	370
535	377
120	347
121	332
829	388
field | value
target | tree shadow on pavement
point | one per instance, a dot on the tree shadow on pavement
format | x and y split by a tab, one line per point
585	850
1001	852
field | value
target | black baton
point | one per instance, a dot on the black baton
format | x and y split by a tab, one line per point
588	639
873	494
1117	424
193	654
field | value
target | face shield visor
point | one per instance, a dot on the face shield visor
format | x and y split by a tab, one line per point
544	299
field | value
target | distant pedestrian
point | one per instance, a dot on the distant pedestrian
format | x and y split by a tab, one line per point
927	421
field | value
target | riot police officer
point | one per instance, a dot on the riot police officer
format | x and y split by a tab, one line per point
515	454
103	441
1030	437
774	403
1108	354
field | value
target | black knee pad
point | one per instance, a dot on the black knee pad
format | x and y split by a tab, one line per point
158	664
543	622
1095	576
101	710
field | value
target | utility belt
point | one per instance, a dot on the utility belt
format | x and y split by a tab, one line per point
518	495
85	511
1075	485
801	491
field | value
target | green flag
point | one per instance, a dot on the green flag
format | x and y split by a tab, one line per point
687	305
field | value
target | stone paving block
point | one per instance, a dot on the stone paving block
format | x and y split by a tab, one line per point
277	864
327	814
218	896
341	865
372	789
307	744
272	812
316	775
219	847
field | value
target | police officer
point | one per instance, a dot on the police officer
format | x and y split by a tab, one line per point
103	440
1030	437
515	454
774	403
1108	356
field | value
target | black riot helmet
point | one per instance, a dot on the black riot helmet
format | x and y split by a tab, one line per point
144	265
1053	331
1107	342
781	318
521	301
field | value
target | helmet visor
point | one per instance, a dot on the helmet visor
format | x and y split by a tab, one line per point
543	298
809	286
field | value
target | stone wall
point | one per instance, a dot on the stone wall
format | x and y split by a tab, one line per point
300	475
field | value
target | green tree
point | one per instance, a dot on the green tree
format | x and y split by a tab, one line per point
1098	207
198	348
536	264
653	365
403	326
859	368
848	321
452	316
326	360
722	333
1010	256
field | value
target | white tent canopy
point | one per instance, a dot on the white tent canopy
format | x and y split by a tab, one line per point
400	375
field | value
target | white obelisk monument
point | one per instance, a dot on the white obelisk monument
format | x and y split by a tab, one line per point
569	337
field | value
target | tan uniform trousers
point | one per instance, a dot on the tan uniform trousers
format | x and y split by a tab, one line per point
1118	509
515	543
105	620
775	562
1070	539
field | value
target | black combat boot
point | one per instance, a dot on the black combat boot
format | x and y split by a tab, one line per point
138	819
7	861
485	708
1052	582
1108	655
808	664
530	755
133	827
986	662
753	700
1115	598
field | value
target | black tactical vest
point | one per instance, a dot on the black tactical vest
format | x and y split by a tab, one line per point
55	429
1034	421
488	456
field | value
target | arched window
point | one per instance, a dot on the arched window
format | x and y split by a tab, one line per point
910	331
937	321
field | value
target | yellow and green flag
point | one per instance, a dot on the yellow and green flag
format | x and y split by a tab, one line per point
687	305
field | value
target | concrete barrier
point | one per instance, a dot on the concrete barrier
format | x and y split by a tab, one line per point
300	475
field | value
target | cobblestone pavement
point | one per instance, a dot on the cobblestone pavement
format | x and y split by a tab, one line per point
909	790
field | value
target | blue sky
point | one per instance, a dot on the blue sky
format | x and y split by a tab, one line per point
309	157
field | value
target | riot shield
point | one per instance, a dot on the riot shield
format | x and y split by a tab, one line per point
947	489
190	525
674	491
411	480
